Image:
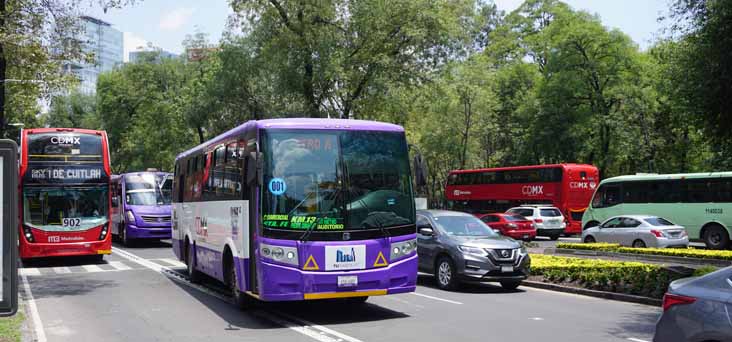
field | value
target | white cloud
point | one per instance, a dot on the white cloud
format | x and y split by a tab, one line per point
176	18
132	42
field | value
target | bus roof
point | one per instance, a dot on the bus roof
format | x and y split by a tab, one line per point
61	130
641	177
527	167
298	123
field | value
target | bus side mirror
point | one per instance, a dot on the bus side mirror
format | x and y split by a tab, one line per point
115	201
8	228
254	168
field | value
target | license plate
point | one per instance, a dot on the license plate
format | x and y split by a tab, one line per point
526	236
347	281
506	269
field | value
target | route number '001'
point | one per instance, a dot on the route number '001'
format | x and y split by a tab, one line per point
71	222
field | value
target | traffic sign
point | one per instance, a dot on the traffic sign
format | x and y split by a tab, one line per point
8	227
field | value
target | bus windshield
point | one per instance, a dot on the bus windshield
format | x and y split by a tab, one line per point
148	189
336	180
65	208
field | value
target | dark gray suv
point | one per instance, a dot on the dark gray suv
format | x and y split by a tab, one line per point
458	247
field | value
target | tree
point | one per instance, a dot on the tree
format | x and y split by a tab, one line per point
74	110
36	37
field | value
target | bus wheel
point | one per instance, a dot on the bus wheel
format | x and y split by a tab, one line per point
241	299
716	237
193	274
356	300
126	241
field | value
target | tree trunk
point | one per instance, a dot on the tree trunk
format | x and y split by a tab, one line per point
3	72
467	112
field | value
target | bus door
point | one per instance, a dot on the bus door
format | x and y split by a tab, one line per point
251	174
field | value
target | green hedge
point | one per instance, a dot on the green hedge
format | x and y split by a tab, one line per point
678	252
613	276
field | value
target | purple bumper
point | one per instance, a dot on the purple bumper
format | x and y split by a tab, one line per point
283	283
135	232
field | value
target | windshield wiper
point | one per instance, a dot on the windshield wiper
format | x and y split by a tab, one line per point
306	235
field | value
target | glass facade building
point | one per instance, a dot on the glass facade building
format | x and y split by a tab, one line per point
106	44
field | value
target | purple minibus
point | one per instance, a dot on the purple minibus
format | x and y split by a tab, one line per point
141	206
298	209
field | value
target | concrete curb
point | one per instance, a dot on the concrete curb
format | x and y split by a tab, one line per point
643	257
594	293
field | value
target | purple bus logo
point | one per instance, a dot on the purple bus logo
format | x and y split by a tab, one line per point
345	257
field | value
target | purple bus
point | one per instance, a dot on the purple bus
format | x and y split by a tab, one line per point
141	206
298	209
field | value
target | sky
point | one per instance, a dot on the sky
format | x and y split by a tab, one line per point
165	23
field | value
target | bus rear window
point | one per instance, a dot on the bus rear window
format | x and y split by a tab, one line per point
64	147
658	221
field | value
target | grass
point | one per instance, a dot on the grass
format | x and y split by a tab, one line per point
10	328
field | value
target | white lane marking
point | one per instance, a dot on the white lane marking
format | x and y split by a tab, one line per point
319	327
62	270
299	325
436	298
636	339
29	271
173	262
92	268
118	265
35	316
536	319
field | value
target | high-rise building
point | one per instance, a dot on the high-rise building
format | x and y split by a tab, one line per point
106	44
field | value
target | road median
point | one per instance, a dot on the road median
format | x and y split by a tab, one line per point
681	256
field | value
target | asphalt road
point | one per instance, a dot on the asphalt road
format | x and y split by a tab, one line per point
136	294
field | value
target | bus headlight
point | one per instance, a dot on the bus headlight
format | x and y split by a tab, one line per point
130	217
28	234
402	249
103	233
287	255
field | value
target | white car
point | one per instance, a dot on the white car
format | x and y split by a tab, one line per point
548	220
638	231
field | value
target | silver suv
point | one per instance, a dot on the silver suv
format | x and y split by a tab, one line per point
548	220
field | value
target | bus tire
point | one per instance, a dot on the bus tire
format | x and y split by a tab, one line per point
194	276
123	239
242	300
356	300
716	237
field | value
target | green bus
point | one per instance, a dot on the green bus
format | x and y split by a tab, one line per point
701	202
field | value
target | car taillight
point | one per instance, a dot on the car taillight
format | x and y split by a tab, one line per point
670	300
538	220
657	233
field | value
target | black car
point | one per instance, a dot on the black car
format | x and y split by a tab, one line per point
458	247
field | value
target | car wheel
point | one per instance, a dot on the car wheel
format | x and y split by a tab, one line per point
715	237
639	244
590	239
510	284
193	274
241	299
445	274
554	237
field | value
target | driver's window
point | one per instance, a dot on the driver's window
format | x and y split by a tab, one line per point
614	223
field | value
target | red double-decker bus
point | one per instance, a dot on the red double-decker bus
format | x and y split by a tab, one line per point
64	193
568	187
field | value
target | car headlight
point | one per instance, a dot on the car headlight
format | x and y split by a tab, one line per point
130	217
287	255
402	249
472	250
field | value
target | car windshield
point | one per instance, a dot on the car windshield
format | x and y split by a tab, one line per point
658	221
522	211
148	189
463	226
513	218
65	209
336	180
550	212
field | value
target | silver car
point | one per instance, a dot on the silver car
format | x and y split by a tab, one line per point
638	231
697	309
458	247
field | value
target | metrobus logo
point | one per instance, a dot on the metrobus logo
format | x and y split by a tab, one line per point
532	190
461	192
65	140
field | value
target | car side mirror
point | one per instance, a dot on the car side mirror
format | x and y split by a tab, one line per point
426	231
